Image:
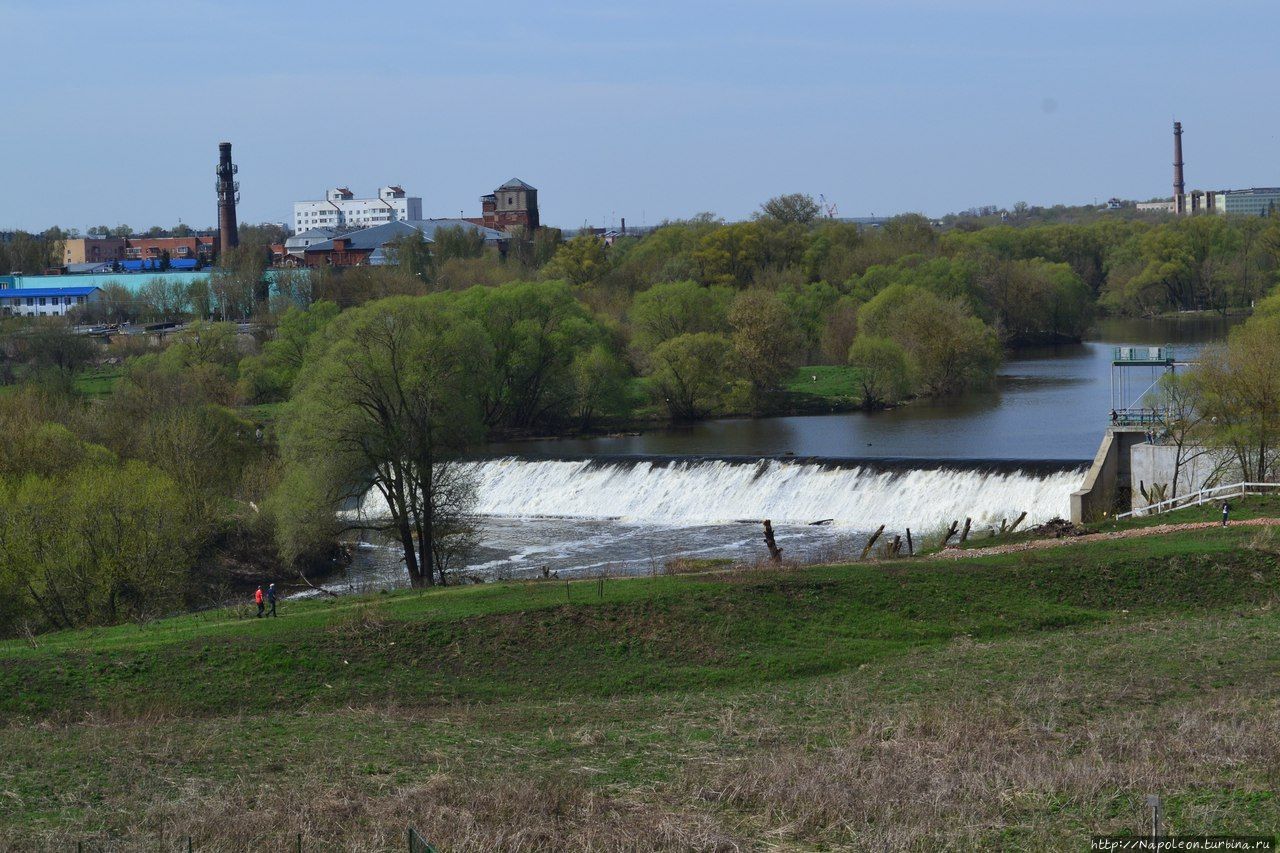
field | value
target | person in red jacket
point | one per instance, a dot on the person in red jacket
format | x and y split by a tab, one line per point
257	599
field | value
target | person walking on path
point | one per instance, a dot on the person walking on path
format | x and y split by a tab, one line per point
1226	511
257	599
271	598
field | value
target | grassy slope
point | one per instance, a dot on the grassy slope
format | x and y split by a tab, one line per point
680	710
1249	506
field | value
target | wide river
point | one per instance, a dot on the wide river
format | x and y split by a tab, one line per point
629	503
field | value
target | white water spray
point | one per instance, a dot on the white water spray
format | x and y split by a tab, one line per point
708	491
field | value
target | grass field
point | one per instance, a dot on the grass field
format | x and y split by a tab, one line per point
98	381
833	382
1016	702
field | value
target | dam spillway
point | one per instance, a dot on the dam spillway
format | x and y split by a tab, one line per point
857	494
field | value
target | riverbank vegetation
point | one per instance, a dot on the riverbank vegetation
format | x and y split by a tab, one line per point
985	703
1223	412
786	312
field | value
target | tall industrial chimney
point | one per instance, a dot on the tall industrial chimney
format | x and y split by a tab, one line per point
1179	186
228	195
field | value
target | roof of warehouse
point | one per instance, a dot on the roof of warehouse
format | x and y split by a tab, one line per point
368	239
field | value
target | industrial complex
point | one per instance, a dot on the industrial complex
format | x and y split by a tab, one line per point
341	230
1256	201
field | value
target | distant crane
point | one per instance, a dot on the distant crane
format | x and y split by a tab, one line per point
831	210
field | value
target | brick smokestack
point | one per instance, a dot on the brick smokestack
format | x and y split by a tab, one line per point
1179	185
228	195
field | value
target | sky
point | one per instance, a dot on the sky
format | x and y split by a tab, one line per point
647	110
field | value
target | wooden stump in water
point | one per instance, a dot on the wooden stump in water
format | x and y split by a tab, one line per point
775	553
951	531
870	542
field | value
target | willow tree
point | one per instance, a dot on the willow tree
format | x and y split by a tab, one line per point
1237	389
383	406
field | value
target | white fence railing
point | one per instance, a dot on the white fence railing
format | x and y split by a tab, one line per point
1203	496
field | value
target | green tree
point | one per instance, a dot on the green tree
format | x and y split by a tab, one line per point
238	282
269	375
215	345
839	330
534	332
810	305
884	371
204	449
1237	388
765	341
690	375
50	344
384	406
730	255
93	546
793	207
457	242
200	298
290	289
1035	301
599	385
950	349
580	261
163	299
671	309
412	254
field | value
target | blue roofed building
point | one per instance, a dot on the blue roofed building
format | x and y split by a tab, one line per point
44	301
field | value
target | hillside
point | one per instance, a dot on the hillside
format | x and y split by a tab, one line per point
1021	701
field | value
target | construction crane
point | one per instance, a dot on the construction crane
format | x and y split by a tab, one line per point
830	210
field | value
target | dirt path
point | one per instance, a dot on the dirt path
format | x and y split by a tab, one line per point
954	553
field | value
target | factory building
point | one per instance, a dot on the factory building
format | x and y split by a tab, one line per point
369	246
341	209
1259	201
45	301
199	250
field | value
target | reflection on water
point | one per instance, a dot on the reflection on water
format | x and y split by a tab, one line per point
1047	403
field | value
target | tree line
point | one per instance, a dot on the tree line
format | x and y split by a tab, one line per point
349	402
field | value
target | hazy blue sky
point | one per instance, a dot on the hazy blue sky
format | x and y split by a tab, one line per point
647	109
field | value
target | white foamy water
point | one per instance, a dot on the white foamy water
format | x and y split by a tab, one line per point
709	491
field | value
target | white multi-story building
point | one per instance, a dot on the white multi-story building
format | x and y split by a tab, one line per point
341	209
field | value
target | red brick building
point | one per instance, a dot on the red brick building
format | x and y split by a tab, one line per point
513	204
203	248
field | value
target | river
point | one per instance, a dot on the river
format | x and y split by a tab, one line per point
630	503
